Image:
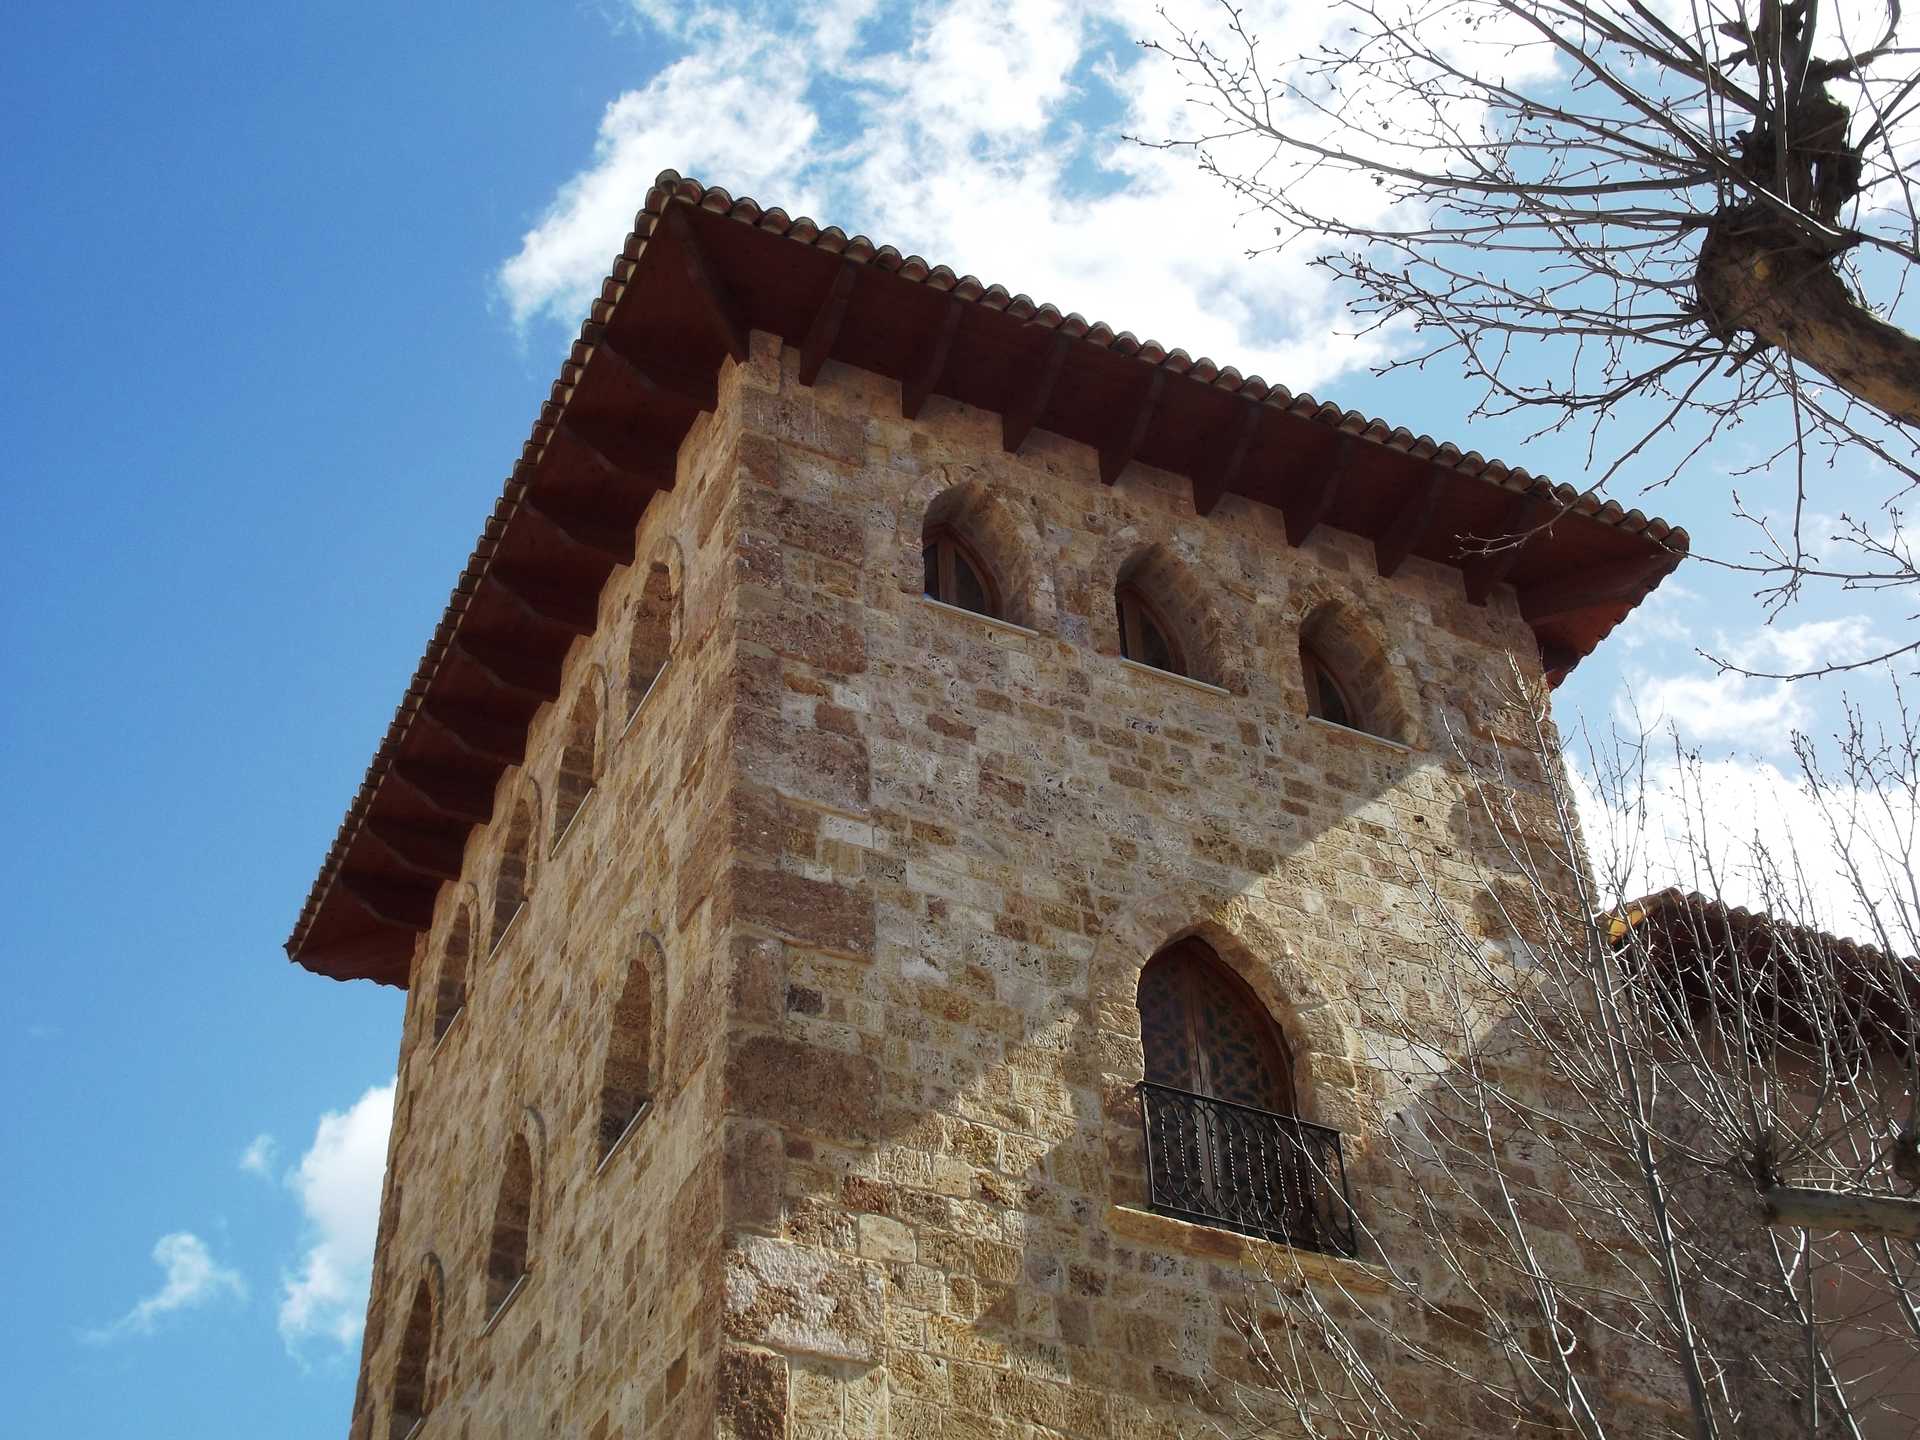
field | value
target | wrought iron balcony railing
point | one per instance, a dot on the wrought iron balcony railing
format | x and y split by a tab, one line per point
1248	1169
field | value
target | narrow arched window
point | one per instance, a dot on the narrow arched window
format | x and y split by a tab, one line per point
579	762
450	996
651	640
1326	696
955	574
512	1219
410	1397
510	879
1144	635
1205	1032
626	1085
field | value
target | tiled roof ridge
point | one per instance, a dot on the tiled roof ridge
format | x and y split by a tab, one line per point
670	187
1635	912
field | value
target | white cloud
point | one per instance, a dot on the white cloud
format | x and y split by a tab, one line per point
967	140
338	1182
1707	705
193	1278
257	1158
1752	834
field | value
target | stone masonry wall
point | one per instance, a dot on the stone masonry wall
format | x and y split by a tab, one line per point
615	1333
955	845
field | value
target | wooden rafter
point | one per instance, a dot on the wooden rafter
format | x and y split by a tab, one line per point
1409	525
707	284
451	793
579	525
1031	393
435	850
392	903
535	674
1115	460
1621	583
659	383
825	328
915	392
481	733
1519	527
1312	496
545	601
1209	487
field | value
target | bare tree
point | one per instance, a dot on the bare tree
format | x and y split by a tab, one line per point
1643	1167
1639	217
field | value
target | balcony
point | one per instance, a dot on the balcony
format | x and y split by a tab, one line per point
1247	1169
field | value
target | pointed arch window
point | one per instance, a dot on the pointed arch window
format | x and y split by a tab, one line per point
1145	636
1326	696
954	574
651	639
410	1394
1205	1032
579	762
450	996
507	1263
626	1086
1224	1144
510	879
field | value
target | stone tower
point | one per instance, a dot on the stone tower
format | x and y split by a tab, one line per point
873	703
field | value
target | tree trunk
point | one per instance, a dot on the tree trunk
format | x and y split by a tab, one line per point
1766	281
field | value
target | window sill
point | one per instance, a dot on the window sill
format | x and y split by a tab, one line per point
1187	680
506	1303
573	821
1230	1247
507	930
646	1109
452	1021
993	621
653	688
1368	735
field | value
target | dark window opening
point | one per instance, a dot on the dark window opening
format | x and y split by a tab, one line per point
954	575
512	1218
1144	636
410	1369
1326	699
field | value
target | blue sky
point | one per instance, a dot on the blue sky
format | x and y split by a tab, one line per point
284	286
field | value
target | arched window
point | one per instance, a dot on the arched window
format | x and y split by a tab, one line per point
1326	696
1164	617
955	574
510	879
626	1086
1350	678
1205	1032
652	638
512	1218
410	1399
579	761
450	997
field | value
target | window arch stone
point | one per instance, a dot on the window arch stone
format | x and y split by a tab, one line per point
654	629
579	769
516	1212
450	994
513	872
1247	938
630	1074
978	507
1340	635
1184	603
412	1397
